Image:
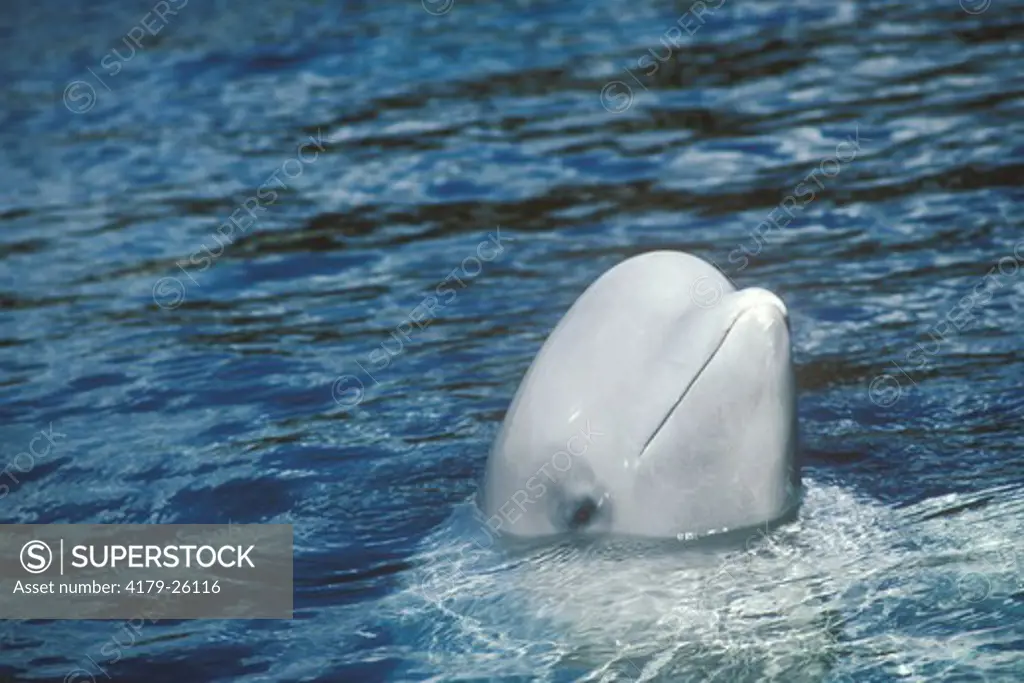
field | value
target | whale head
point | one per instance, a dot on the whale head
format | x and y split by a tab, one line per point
662	405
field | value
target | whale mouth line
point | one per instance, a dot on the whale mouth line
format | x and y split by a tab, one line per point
675	405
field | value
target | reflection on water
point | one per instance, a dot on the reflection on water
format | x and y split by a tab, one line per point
211	218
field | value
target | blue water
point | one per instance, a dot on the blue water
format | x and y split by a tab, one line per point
271	373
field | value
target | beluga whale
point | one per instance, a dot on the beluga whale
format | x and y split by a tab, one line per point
662	405
644	516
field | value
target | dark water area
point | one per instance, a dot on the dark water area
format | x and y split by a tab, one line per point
286	262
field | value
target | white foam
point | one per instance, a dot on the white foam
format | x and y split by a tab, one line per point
813	598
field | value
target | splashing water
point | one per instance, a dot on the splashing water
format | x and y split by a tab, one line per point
817	599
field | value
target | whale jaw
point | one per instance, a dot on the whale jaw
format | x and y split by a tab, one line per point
725	457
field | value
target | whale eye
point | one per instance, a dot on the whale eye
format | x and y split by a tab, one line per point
583	513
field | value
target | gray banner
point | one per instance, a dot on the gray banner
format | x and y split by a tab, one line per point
149	571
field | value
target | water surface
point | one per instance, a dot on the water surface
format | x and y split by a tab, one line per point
198	382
